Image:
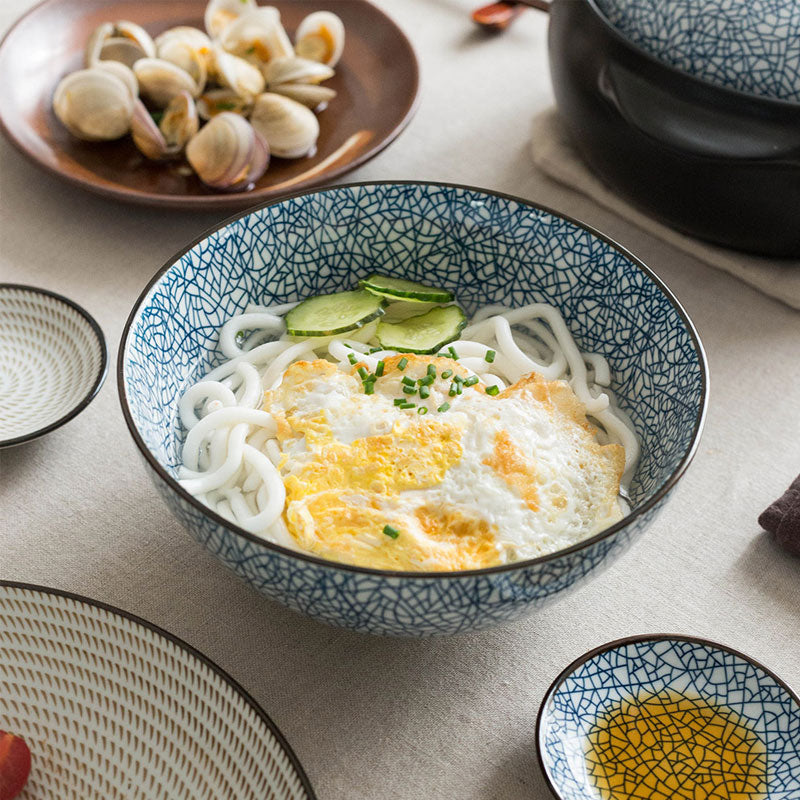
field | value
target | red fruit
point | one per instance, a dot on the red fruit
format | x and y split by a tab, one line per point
15	764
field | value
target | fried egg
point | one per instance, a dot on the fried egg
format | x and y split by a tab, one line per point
456	479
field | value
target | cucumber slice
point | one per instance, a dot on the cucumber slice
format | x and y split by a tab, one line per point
397	312
426	333
405	290
331	314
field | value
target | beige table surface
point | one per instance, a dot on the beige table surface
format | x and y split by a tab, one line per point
377	718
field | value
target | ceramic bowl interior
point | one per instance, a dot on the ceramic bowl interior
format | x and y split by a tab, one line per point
752	46
113	708
52	362
486	248
688	668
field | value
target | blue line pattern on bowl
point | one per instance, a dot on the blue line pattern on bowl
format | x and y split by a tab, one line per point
686	667
488	249
749	45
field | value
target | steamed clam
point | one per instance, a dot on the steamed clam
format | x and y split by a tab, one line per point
320	37
167	139
232	72
94	104
185	53
290	128
221	13
122	41
257	36
215	101
125	74
228	153
160	81
299	79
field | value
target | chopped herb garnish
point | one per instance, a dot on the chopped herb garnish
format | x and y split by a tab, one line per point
374	350
391	532
379	369
406	381
424	392
398	401
362	371
352	359
408	405
458	380
422	410
471	381
490	354
157	115
492	390
443	407
458	388
402	363
447	373
453	389
452	353
409	390
225	105
426	381
369	387
432	370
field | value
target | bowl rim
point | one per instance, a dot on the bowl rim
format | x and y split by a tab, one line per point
732	92
194	652
615	644
96	384
660	494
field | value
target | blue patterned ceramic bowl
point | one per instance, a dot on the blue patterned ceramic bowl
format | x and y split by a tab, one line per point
752	46
687	668
488	249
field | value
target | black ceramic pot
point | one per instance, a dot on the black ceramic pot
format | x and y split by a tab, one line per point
713	162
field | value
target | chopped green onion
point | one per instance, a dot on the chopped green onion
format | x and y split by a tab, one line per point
458	388
409	390
402	363
432	370
369	387
374	350
398	401
422	410
362	371
227	105
406	381
458	379
453	387
471	381
391	532
424	392
408	405
443	407
447	373
492	390
453	353
352	359
426	381
490	354
379	368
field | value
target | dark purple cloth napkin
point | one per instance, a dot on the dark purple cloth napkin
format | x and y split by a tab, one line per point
782	518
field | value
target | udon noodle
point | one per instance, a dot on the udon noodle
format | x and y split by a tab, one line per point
230	454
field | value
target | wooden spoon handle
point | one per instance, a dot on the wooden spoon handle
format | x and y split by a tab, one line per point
497	16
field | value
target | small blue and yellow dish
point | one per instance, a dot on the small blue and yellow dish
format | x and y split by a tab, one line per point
487	248
661	717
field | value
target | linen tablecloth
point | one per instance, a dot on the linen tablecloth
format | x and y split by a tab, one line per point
377	718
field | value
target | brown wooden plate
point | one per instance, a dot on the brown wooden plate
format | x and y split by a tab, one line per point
377	82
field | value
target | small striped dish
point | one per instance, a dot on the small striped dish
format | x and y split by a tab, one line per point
52	362
113	707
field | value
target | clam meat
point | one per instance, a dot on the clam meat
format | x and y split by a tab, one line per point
320	37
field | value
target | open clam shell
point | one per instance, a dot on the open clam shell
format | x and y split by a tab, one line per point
310	95
187	56
160	81
235	73
215	101
122	41
94	104
257	36
290	128
320	37
221	13
295	70
125	74
178	125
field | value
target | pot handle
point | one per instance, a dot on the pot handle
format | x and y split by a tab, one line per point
699	128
